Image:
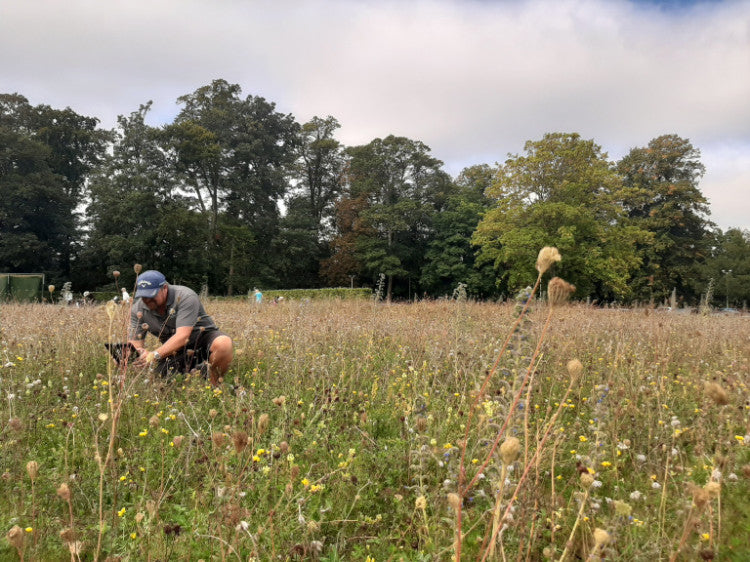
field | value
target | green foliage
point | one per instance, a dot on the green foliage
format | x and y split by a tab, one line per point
562	193
660	195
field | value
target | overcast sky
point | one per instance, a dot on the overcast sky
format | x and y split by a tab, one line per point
473	79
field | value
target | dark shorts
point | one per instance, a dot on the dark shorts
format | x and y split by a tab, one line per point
191	356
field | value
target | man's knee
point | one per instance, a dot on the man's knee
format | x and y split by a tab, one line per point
221	349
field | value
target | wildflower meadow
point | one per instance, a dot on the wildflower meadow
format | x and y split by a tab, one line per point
537	429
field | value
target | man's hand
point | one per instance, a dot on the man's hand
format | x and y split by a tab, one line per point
143	358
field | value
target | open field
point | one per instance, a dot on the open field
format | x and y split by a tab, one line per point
343	429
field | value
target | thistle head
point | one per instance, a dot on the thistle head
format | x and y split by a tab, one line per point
559	291
547	257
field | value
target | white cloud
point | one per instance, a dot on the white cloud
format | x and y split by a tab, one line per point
472	79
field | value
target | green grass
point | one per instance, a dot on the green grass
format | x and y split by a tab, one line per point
367	407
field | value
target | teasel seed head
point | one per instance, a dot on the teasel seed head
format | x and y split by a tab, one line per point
263	422
547	257
575	369
559	291
64	492
240	440
716	393
218	439
601	538
510	450
586	480
32	468
713	489
15	537
454	500
700	496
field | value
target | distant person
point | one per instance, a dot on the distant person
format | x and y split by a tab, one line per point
125	296
258	296
189	337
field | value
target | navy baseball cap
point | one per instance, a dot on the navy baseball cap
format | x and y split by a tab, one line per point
148	284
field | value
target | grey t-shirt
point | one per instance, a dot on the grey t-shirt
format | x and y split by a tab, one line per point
184	308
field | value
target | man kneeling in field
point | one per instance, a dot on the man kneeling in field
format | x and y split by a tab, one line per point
189	338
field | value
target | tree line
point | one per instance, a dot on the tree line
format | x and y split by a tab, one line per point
233	195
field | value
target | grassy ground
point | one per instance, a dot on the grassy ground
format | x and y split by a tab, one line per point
356	431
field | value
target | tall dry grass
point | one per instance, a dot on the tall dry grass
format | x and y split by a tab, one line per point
340	429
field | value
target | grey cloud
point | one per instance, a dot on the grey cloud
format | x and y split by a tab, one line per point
471	79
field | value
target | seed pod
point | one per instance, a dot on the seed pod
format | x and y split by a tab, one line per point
263	421
510	450
559	291
32	468
137	268
547	256
454	500
15	537
64	492
575	368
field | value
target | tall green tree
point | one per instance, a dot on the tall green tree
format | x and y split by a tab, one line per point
402	186
45	157
233	155
562	192
137	215
450	256
661	196
729	267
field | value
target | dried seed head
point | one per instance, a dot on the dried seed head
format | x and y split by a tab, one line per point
178	439
284	446
15	537
51	288
139	516
700	496
559	291
151	508
68	535
547	256
623	509
240	441
154	421
212	413
601	538
64	492
575	368
586	479
509	450
420	502
32	468
717	394
137	268
115	274
746	471
454	500
15	424
263	421
713	489
279	400
294	472
218	439
421	423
